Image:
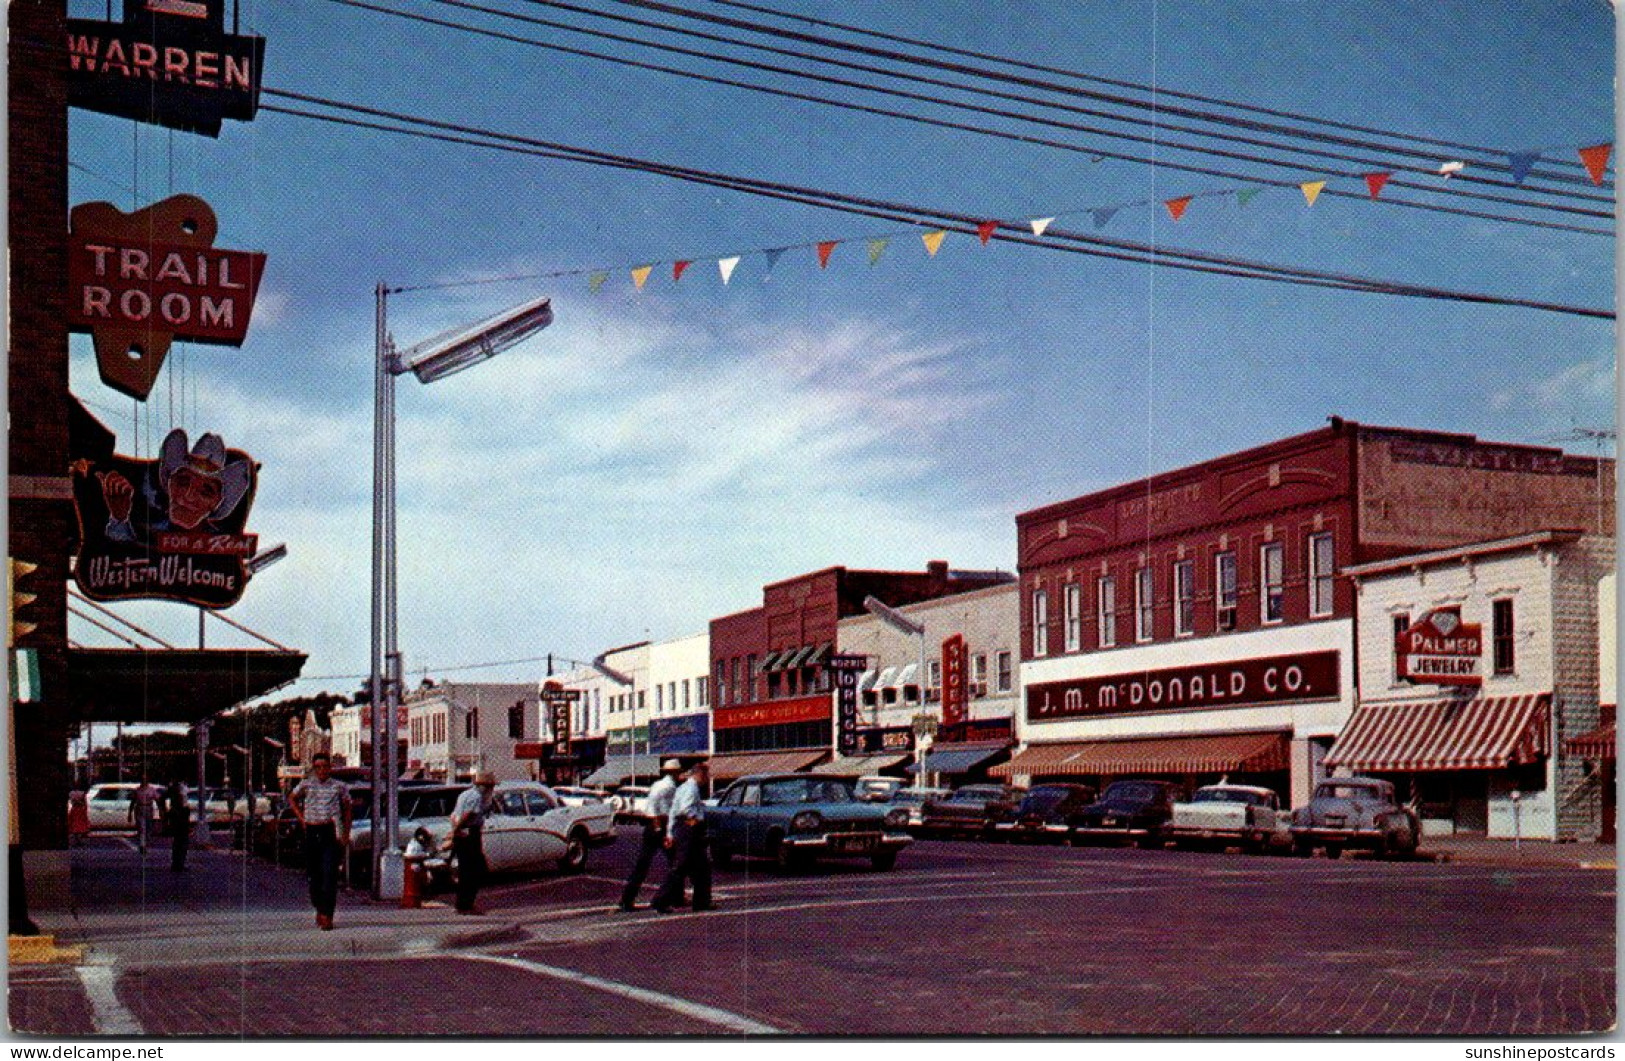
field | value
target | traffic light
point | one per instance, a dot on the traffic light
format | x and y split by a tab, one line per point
19	626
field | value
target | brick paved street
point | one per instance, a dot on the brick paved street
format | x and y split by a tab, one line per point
963	939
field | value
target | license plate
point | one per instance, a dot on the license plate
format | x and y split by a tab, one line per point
1111	821
856	843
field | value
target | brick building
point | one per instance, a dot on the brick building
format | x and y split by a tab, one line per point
771	702
1193	624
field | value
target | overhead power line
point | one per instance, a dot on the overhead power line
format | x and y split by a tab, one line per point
1093	151
1053	239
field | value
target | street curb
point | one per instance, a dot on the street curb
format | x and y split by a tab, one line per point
484	937
42	950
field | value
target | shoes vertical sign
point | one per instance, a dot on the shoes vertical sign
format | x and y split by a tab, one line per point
173	528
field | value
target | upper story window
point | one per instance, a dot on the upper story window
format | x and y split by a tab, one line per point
1143	604
1040	622
1225	591
978	674
1107	608
1184	598
1006	672
701	690
1321	567
516	720
660	699
1271	582
722	682
471	724
1502	639
1074	617
1402	622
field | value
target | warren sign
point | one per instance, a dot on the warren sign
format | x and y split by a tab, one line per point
1440	649
169	63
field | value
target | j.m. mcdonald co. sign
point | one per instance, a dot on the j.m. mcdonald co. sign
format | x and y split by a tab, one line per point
1440	649
1236	683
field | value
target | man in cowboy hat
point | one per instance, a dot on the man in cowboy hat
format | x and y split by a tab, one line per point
654	831
467	843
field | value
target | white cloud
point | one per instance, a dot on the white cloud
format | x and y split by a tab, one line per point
1575	387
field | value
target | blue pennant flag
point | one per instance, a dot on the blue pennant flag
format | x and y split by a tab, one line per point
772	257
1103	216
1522	162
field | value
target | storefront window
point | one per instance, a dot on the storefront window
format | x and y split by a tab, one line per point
1321	567
1108	611
1142	604
1185	597
1271	582
1502	634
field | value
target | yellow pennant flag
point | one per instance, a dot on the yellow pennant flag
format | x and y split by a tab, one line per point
933	241
1311	191
640	275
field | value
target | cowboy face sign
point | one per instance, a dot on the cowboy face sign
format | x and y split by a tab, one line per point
169	529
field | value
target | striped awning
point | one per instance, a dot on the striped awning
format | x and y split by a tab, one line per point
1483	734
769	662
1036	759
858	765
1597	744
1245	753
733	767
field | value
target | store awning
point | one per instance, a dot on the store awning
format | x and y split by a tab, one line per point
769	662
817	655
1038	759
733	767
1483	734
1598	744
172	685
798	658
622	767
1242	753
959	758
858	765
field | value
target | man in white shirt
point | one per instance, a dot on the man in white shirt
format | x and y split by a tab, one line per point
659	803
689	859
322	806
467	838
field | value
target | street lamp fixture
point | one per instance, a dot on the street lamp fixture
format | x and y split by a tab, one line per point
432	360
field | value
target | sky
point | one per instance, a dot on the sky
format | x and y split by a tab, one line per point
654	457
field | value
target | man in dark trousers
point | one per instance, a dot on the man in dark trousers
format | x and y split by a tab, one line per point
467	838
656	811
323	808
178	817
689	859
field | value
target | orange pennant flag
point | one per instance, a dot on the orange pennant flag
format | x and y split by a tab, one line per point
933	241
824	251
1596	160
1375	181
677	270
985	230
1176	207
1311	191
640	275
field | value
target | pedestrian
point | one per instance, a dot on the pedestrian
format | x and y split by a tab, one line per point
322	806
144	812
686	838
178	817
467	842
78	817
657	808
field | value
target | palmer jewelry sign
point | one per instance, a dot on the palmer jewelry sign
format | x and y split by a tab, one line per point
1267	680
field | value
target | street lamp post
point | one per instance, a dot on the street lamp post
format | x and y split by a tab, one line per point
429	361
620	679
903	625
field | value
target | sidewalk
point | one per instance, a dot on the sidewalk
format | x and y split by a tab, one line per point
1478	850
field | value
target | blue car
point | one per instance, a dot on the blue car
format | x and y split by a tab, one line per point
795	819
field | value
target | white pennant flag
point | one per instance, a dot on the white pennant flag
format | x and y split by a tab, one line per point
725	266
1040	224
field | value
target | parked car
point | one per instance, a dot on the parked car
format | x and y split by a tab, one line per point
968	811
574	796
1047	812
1226	815
530	829
1355	812
877	789
227	805
797	818
417	805
630	802
913	800
1137	811
110	805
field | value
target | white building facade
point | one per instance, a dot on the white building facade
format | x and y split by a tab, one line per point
457	729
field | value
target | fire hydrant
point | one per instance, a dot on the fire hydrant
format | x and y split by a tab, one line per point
416	876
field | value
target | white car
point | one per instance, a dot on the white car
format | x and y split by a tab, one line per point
531	828
110	805
226	806
630	801
577	797
1225	815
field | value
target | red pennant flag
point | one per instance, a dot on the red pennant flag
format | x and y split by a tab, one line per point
985	231
824	251
1176	207
1596	160
1375	181
677	270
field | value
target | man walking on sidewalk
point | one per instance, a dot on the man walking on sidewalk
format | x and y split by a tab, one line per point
689	859
144	812
654	831
467	838
178	817
322	806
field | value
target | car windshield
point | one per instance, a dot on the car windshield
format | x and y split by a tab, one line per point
805	790
1132	790
416	805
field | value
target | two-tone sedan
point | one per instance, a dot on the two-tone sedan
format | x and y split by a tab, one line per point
529	829
797	818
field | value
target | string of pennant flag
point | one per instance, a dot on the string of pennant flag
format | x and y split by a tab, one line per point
1594	158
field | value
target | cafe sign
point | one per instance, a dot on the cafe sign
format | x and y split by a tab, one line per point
139	281
557	701
1440	649
169	63
1236	683
166	529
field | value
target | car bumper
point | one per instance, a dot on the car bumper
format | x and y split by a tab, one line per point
848	845
1336	836
1191	832
1023	829
1112	830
